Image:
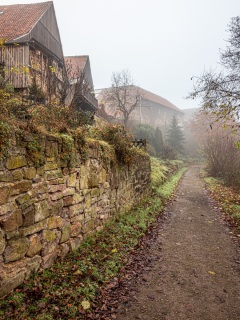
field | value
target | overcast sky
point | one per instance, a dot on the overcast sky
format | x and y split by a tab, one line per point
163	43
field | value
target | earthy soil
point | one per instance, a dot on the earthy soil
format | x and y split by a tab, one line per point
191	267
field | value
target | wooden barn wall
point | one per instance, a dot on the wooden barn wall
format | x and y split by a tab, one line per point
40	70
88	75
16	61
46	33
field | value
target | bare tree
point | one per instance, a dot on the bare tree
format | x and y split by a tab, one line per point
123	97
220	91
75	85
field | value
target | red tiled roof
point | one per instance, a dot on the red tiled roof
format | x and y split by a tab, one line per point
19	19
75	64
147	95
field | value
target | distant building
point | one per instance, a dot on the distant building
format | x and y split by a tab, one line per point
151	109
81	94
31	53
189	113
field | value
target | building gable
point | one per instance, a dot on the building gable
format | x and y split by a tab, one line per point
29	23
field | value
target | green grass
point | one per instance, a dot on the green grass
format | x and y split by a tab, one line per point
58	292
166	190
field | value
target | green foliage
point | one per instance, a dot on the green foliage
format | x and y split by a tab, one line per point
153	137
67	154
163	175
166	191
119	138
35	92
5	134
6	85
35	152
175	137
81	142
158	172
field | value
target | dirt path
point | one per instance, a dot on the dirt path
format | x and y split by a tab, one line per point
194	270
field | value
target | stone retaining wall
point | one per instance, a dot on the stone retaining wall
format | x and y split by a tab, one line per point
47	209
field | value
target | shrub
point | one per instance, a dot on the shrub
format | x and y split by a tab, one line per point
5	134
119	138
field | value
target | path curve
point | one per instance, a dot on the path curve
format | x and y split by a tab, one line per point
197	274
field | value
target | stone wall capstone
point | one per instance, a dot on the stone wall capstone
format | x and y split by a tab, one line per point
47	208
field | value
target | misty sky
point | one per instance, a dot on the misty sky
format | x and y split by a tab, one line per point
163	43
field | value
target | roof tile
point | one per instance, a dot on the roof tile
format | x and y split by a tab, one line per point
19	19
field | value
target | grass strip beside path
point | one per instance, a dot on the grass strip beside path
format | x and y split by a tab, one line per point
70	288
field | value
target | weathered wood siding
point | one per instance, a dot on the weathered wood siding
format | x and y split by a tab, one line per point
46	34
16	62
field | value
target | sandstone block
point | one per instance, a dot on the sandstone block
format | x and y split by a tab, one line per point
16	161
67	201
33	265
50	166
57	187
64	249
75	243
21	187
56	181
55	222
72	180
28	216
49	235
48	260
13	221
50	247
35	245
41	210
66	230
88	201
76	229
2	241
56	207
103	176
56	196
77	198
16	249
6	176
68	192
22	199
83	182
29	173
89	226
79	217
76	209
39	226
4	194
55	174
11	281
17	174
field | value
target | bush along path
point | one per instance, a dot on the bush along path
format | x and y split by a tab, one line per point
191	270
89	283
